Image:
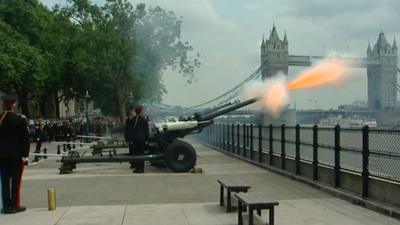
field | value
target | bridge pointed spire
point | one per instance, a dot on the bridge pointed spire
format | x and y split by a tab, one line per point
285	41
369	50
273	35
263	41
394	44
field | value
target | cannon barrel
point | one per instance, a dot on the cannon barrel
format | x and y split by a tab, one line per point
217	107
197	115
112	158
227	109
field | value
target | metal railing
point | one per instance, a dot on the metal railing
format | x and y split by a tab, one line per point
364	151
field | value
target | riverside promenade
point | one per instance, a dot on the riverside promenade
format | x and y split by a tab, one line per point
111	194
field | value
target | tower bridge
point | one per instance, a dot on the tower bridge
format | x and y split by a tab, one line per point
380	63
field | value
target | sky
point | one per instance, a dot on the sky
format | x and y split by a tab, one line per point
228	34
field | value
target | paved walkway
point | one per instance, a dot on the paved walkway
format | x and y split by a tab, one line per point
111	194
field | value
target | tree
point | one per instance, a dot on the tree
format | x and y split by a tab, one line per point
107	48
44	36
22	67
126	49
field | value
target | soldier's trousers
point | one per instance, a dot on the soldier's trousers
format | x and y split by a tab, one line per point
139	150
11	174
131	152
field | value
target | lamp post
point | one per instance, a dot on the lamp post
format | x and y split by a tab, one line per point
87	97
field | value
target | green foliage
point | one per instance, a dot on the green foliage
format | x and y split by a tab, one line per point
110	50
22	67
125	49
40	39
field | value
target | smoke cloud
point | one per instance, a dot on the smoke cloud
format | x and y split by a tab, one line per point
275	91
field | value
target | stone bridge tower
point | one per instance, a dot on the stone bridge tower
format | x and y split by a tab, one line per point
382	74
274	55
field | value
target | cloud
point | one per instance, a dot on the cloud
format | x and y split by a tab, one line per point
326	9
251	7
197	15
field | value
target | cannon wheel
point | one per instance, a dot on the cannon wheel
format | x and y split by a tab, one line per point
180	156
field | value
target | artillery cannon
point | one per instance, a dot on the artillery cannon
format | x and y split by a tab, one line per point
163	145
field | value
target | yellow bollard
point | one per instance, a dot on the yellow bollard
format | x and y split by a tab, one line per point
51	196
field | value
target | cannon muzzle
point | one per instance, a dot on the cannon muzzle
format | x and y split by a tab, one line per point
229	108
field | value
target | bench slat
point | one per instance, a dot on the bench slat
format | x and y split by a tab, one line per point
233	184
255	200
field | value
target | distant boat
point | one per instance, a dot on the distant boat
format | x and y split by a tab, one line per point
349	122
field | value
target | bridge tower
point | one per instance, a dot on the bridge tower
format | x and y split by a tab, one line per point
274	55
382	74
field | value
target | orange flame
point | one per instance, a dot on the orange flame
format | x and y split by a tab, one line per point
276	90
326	72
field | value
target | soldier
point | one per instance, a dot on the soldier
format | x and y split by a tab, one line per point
138	135
49	129
69	133
14	150
39	136
129	130
59	131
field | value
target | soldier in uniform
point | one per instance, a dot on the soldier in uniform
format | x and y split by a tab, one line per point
39	137
138	135
69	133
14	150
49	130
59	131
129	130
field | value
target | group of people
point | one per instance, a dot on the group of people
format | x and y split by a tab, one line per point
15	145
54	131
64	130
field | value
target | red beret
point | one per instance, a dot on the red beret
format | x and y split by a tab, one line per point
9	100
138	110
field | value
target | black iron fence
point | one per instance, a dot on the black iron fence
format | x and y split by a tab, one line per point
365	152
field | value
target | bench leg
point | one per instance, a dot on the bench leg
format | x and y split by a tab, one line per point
251	216
240	213
228	201
271	216
259	211
221	196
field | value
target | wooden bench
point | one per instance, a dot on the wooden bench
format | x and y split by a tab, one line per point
254	202
231	186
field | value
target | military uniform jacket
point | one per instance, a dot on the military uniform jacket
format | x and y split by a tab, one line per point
68	132
137	129
39	133
14	136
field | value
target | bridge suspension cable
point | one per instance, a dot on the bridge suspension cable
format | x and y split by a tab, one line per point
230	94
219	100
